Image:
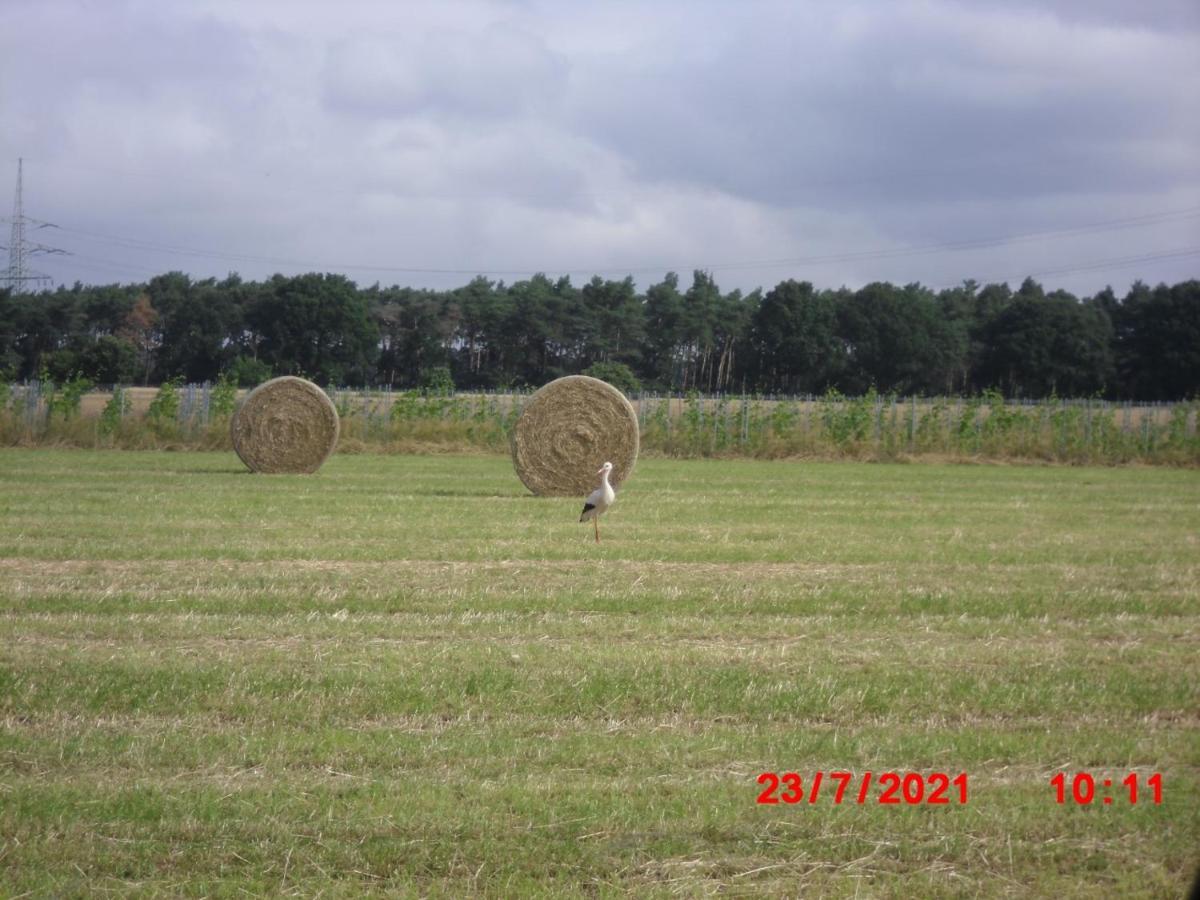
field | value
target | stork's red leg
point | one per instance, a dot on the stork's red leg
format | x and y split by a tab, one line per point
596	522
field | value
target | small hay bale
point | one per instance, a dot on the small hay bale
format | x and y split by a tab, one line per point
285	425
570	428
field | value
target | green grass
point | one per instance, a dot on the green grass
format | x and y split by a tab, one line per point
406	676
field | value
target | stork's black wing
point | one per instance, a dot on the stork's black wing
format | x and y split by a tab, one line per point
586	507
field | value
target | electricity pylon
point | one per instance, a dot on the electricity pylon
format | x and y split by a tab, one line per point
19	276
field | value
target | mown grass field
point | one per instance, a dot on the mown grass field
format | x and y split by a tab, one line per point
406	676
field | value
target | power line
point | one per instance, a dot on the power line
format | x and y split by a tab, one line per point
984	243
114	265
1100	265
1148	219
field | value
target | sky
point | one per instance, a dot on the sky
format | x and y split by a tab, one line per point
423	143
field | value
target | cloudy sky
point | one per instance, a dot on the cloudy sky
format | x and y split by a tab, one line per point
421	143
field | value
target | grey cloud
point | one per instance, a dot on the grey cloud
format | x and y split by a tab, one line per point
870	122
136	71
119	46
850	130
520	163
542	135
1162	15
499	71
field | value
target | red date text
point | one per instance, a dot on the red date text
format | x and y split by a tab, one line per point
886	788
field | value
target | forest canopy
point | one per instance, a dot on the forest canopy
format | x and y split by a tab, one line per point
791	339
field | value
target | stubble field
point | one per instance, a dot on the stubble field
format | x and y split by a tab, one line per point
405	675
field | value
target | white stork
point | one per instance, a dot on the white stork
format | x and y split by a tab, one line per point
599	500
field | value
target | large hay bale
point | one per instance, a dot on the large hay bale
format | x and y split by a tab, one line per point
285	425
570	428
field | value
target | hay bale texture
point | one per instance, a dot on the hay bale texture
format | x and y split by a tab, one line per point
570	428
285	425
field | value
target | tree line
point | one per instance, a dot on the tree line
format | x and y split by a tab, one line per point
791	339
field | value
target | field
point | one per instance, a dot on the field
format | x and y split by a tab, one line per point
406	676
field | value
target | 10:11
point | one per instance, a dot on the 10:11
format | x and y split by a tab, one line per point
1083	787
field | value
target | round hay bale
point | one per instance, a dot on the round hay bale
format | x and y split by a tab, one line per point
285	425
570	428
